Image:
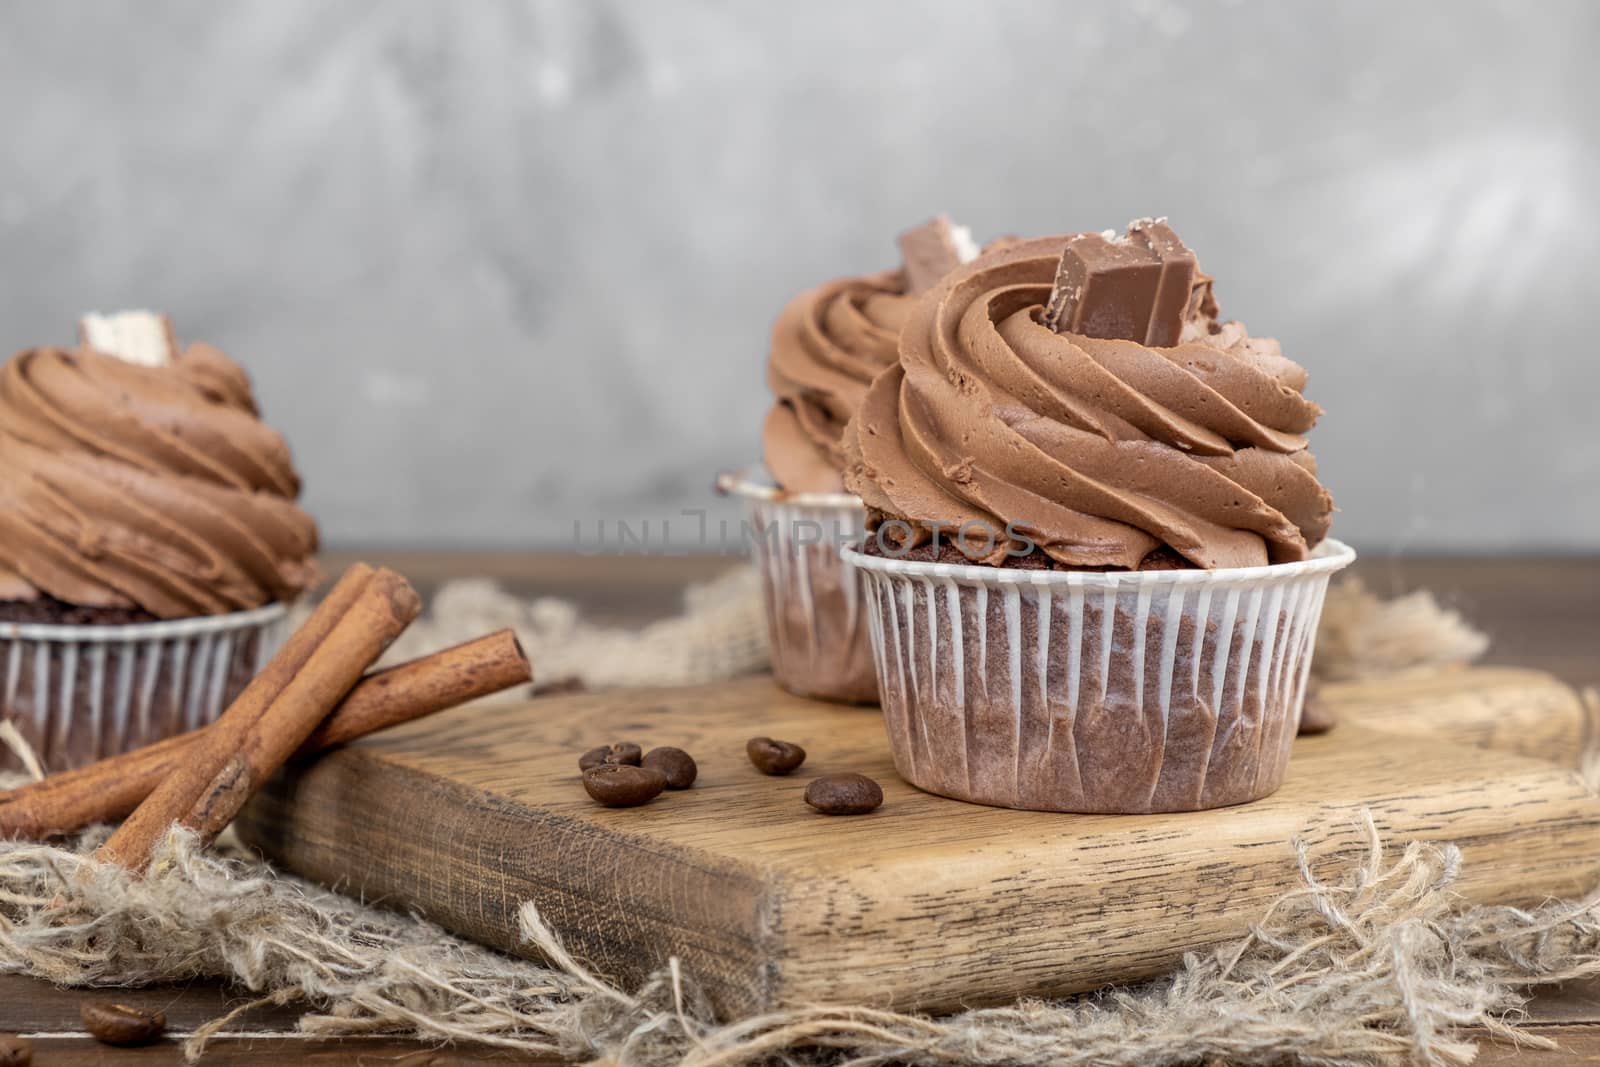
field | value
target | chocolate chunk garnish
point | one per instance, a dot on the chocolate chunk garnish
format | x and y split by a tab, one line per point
1177	280
1203	301
1104	288
1135	287
934	249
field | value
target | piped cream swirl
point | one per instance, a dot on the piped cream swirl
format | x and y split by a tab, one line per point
1100	452
149	487
827	345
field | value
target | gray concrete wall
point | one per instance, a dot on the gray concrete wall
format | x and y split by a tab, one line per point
497	267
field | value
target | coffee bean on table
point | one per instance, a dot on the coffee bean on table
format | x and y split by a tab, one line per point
15	1051
119	1024
844	794
625	752
622	785
774	757
622	752
675	763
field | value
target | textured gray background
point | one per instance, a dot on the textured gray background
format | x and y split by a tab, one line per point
497	267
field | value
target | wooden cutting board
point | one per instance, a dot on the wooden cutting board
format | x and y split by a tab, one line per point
927	903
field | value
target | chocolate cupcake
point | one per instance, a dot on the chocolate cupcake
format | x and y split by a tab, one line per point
827	346
1098	548
149	539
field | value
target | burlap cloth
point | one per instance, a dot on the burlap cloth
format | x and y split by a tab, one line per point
1383	964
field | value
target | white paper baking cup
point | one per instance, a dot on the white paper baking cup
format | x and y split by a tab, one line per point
815	617
81	693
1122	692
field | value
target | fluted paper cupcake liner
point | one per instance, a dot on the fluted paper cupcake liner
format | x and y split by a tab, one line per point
815	617
80	693
1153	691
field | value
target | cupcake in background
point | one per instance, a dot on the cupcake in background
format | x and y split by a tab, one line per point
150	539
1098	553
830	342
827	345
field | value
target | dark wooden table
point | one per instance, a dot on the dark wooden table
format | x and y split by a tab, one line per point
1542	613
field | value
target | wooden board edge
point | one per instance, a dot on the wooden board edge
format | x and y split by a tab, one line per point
1508	709
1556	854
470	849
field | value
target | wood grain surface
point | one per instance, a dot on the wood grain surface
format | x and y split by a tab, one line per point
1512	710
265	1038
1539	612
927	903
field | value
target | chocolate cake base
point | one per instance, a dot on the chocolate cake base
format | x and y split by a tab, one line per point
52	612
1314	720
1151	696
1036	559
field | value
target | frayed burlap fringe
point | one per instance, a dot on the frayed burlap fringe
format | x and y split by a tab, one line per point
1376	962
722	634
1364	636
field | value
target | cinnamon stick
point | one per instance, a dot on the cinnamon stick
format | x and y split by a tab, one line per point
112	788
386	607
317	667
423	686
173	795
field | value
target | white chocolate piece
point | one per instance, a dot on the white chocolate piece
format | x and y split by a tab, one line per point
966	248
141	337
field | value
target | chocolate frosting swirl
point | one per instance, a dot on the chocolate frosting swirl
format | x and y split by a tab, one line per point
827	345
1101	452
146	487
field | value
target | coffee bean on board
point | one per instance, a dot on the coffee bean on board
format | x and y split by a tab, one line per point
15	1051
844	794
622	752
675	763
119	1024
622	785
774	757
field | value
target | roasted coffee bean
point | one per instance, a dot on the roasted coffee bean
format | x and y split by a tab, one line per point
675	763
844	794
622	785
625	752
119	1024
15	1051
774	757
